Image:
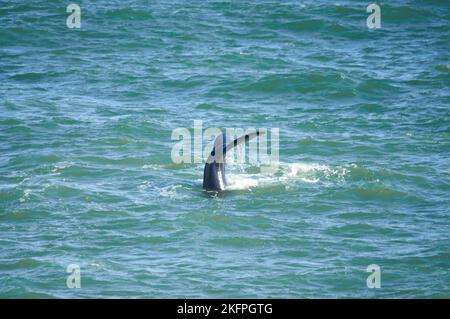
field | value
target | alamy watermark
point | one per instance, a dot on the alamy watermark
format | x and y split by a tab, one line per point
374	279
74	279
197	147
74	19
374	19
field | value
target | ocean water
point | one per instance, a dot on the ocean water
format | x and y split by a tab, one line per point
86	176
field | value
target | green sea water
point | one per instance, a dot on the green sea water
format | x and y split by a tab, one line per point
86	176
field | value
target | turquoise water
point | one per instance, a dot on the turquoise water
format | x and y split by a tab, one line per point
86	175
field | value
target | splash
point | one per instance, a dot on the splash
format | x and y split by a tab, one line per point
286	174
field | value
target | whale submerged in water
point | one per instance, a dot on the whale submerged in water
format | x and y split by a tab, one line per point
214	172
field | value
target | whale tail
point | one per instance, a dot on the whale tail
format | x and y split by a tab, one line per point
214	171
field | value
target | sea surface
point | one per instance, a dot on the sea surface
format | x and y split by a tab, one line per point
87	178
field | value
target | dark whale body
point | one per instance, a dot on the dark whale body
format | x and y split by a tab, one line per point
214	172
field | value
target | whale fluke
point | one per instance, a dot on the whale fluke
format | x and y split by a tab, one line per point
214	172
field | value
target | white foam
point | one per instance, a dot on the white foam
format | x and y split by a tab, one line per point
299	169
285	174
242	181
170	191
151	166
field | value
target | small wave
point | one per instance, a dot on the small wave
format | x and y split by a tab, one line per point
129	13
62	165
26	195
